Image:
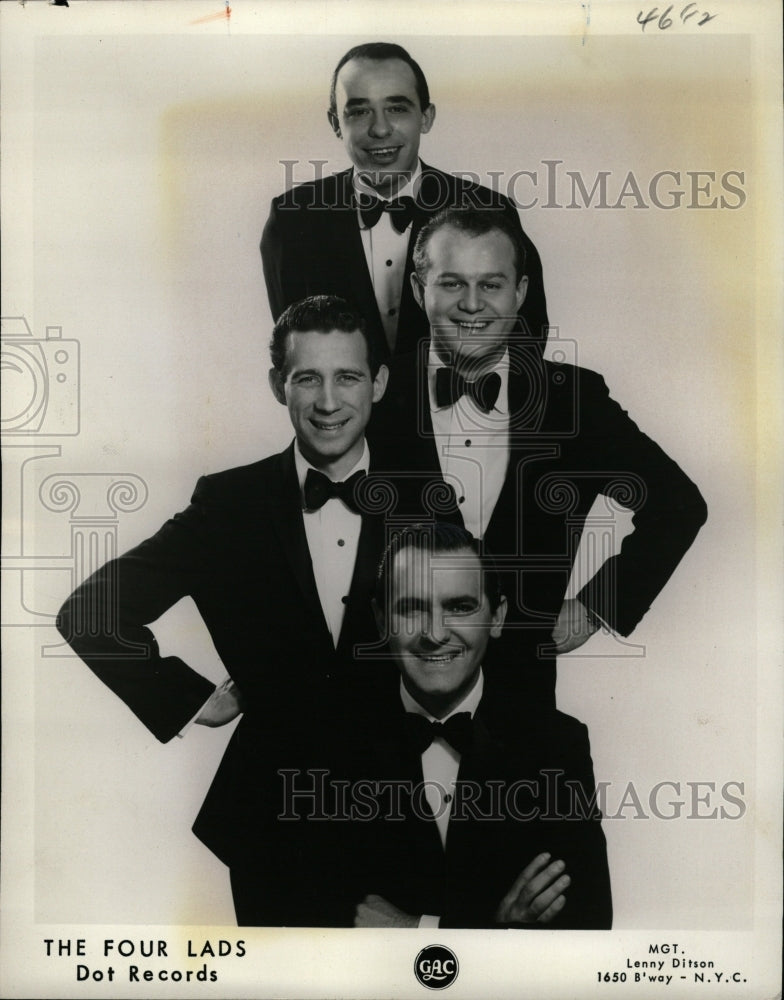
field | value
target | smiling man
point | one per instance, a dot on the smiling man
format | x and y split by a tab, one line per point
279	557
495	823
353	233
517	449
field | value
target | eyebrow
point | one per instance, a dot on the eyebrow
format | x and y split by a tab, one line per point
317	371
484	277
461	598
392	99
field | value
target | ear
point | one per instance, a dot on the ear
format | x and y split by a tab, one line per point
378	614
276	382
428	117
522	290
334	122
499	616
418	289
380	383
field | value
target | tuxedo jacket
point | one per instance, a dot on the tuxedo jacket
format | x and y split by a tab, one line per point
311	245
526	786
240	552
569	444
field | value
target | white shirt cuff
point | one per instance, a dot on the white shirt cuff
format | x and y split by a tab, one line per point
428	920
188	725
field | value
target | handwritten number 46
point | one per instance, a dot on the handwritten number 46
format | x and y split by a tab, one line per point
664	20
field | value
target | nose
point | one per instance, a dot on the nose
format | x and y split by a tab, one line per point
471	300
379	126
434	630
327	399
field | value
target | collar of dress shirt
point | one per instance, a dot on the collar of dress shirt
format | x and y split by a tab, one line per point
410	189
501	366
470	702
302	464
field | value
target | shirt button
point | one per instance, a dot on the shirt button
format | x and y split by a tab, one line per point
468	443
447	797
391	312
461	500
344	599
389	263
341	541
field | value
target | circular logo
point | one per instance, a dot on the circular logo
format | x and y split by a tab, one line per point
436	967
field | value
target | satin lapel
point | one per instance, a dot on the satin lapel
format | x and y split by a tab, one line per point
398	762
485	760
286	504
529	399
358	624
423	451
347	246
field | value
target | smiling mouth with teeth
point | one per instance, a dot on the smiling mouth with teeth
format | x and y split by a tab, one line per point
329	427
439	657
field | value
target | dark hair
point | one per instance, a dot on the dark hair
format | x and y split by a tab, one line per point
475	222
379	52
320	314
436	538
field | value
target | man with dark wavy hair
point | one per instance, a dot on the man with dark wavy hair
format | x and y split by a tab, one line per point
279	557
353	233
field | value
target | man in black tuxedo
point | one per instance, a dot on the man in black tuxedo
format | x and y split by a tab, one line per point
494	819
518	449
353	233
280	562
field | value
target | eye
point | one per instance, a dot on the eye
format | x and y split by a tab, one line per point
449	284
305	380
355	112
463	607
349	378
491	286
398	109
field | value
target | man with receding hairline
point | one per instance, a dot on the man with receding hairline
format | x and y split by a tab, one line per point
518	449
353	233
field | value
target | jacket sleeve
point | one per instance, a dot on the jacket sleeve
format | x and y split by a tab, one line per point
577	837
668	510
105	621
282	259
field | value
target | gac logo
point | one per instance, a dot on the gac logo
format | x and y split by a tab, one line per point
436	967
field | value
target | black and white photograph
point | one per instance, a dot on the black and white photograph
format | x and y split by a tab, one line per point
392	523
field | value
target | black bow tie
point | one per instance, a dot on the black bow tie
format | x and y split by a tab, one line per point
458	731
319	489
401	211
450	386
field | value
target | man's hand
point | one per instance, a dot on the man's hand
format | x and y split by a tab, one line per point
224	705
537	894
573	627
375	911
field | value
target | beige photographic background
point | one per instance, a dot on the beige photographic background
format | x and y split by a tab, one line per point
149	148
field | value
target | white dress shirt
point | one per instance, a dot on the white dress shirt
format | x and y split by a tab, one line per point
473	447
385	252
333	536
